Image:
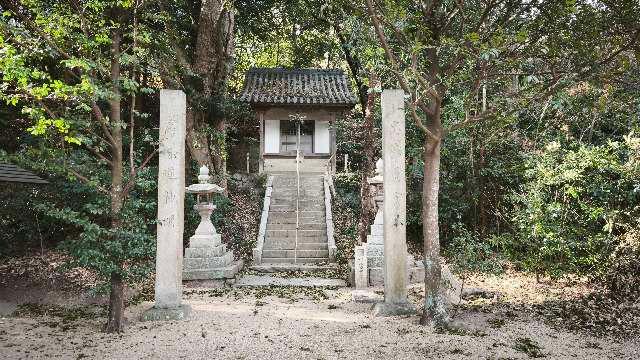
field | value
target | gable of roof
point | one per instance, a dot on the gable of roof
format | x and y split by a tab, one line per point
12	173
302	87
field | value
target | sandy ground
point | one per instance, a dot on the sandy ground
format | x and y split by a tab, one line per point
243	327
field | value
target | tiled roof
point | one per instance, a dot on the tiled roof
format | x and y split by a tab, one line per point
306	87
12	173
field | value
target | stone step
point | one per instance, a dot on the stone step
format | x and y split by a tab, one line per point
307	207
308	189
266	267
292	200
303	185
298	260
266	254
294	191
292	221
302	213
293	196
301	239
289	208
294	179
278	245
300	202
292	233
266	280
292	246
292	226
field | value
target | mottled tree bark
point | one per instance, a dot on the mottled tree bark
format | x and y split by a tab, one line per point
367	211
434	308
116	298
197	139
212	62
225	50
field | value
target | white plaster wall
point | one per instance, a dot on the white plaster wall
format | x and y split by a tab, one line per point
311	114
272	136
288	165
322	139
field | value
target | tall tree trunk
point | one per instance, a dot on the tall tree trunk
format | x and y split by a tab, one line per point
434	309
219	154
482	198
204	61
115	321
116	298
225	50
366	212
197	140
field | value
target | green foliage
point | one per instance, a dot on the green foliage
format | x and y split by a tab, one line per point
94	244
623	276
236	217
575	204
468	252
346	209
348	189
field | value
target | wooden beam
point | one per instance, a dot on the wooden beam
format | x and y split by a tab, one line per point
333	146
261	160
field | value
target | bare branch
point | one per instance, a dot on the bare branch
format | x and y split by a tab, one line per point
103	123
132	179
87	181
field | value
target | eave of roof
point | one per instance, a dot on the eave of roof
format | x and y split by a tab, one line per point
299	88
12	173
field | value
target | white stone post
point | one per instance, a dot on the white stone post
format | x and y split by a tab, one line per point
360	264
171	188
394	207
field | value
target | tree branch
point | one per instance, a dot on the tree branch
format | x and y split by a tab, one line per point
31	25
88	181
132	178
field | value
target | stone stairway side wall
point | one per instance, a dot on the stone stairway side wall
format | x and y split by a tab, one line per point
262	231
331	244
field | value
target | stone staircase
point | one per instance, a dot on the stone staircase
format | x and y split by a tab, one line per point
280	237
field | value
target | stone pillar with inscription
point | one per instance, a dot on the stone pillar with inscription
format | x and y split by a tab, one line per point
394	207
171	188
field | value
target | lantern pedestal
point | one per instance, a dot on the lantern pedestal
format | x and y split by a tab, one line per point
207	258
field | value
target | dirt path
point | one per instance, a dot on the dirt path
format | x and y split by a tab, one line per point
240	326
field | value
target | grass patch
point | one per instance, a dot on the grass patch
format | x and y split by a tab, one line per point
456	330
529	347
496	323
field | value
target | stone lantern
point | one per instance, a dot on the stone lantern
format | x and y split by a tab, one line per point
369	256
204	206
207	257
377	181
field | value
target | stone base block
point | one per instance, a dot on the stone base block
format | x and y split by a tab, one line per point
366	296
376	275
226	272
196	263
205	284
257	256
393	309
205	252
205	241
159	314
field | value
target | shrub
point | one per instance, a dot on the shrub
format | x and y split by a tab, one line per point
573	208
468	252
623	275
